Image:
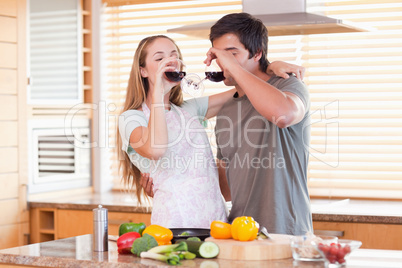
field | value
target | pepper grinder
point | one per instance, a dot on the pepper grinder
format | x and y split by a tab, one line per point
100	232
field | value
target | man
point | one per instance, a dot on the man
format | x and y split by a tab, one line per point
263	133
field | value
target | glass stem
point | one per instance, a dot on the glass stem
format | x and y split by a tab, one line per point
197	84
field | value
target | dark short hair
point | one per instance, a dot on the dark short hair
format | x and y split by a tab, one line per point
251	32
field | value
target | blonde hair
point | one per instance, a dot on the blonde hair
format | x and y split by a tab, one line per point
137	91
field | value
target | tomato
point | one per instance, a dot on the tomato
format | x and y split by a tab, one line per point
221	230
341	254
324	248
334	250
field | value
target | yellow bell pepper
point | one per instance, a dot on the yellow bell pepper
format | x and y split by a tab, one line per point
161	234
244	228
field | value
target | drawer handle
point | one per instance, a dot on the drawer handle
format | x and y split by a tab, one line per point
329	233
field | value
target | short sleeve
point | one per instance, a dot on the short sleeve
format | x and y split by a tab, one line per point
196	106
128	121
295	86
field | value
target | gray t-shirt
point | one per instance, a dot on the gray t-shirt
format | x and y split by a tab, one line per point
267	165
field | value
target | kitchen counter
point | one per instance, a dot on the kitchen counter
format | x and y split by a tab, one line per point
358	211
114	201
77	252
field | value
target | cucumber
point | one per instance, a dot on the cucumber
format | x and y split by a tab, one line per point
208	250
202	249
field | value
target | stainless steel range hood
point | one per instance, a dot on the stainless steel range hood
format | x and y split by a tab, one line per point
281	17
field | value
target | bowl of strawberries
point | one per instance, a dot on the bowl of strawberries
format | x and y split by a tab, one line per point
337	253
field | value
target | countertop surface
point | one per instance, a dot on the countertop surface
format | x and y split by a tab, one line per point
346	210
115	201
77	252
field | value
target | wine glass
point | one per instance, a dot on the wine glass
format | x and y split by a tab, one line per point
193	85
178	73
213	72
190	83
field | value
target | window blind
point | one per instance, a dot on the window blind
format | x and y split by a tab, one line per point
55	47
355	82
354	79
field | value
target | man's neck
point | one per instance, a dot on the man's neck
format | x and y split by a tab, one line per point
259	74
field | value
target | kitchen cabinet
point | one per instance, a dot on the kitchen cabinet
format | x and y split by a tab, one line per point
372	235
52	223
378	224
42	225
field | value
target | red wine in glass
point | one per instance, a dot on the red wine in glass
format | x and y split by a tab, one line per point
213	72
215	76
175	76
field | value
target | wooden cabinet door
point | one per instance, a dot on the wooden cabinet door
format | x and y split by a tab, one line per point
375	236
73	222
79	222
117	218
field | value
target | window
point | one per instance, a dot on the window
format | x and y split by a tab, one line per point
355	82
55	48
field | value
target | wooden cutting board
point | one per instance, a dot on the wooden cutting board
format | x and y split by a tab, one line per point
267	249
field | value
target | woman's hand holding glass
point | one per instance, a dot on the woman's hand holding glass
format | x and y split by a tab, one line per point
168	66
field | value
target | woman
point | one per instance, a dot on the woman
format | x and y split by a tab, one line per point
162	135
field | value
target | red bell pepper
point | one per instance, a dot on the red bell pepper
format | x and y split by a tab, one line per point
125	242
